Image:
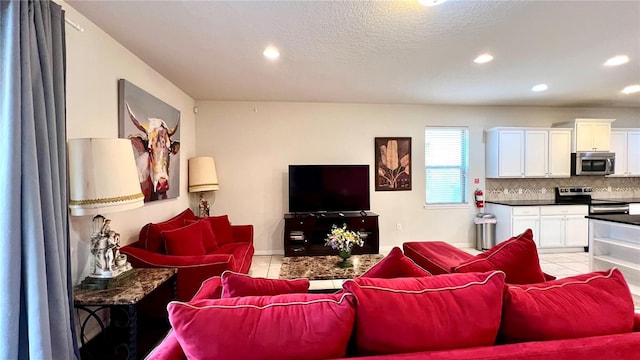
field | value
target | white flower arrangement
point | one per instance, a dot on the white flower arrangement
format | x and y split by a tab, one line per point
342	239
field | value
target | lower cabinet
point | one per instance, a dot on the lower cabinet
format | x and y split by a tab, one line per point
564	226
552	231
576	230
553	226
305	234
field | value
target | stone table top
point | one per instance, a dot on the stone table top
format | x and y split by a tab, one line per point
130	292
325	267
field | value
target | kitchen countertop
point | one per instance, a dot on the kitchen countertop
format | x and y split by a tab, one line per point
618	218
629	200
553	202
526	202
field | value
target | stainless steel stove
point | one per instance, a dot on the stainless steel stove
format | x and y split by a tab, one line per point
582	195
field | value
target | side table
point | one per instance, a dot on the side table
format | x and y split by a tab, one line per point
123	299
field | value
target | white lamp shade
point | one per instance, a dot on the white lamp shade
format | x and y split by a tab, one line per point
103	177
202	174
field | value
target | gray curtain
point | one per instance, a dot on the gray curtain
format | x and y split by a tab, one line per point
36	321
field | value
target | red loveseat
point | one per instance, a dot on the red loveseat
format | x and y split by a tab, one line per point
609	314
232	251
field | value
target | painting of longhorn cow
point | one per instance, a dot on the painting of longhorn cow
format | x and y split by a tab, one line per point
154	129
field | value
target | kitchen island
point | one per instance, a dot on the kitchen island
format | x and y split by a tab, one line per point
614	241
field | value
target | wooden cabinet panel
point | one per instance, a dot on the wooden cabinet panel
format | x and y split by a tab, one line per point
559	153
511	157
536	163
305	234
528	152
626	145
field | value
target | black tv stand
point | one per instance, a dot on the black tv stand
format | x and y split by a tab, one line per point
305	234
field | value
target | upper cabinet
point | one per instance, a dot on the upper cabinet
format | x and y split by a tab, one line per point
590	134
625	143
528	152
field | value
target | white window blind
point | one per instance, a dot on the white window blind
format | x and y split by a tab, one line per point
446	165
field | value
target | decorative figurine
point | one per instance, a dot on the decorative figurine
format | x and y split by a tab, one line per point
105	248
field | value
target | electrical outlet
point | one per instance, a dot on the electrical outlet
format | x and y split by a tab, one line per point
543	190
506	191
608	188
399	227
519	191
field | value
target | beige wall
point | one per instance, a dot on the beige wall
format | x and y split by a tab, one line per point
253	143
95	62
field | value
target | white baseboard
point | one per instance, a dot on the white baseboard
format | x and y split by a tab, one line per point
268	252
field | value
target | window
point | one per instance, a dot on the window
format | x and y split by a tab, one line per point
446	165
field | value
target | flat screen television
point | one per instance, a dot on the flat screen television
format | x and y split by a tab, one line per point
331	188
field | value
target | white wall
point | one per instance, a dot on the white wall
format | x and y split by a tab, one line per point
95	62
253	143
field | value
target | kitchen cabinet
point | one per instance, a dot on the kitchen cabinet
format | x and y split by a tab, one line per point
559	153
555	227
589	134
563	226
593	135
528	152
625	143
536	153
576	231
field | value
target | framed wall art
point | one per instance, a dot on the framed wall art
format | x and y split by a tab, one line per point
393	163
154	129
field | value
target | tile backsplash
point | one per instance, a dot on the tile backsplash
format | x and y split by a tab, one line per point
543	189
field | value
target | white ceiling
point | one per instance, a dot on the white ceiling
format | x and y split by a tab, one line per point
384	51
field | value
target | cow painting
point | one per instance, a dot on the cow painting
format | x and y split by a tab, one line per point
153	148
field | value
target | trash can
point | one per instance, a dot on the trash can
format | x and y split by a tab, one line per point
485	231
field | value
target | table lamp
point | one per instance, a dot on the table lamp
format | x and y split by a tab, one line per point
103	178
202	177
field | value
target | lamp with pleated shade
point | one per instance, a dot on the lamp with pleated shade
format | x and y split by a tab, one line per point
202	177
103	178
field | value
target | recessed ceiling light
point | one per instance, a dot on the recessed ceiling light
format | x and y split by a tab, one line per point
631	89
617	60
271	53
484	58
431	2
540	87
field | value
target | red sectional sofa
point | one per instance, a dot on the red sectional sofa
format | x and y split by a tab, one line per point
450	316
198	249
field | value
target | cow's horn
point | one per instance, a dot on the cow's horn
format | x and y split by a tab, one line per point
135	121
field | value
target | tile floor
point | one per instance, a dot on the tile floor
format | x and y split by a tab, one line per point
559	265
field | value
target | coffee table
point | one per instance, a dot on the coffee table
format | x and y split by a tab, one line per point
323	271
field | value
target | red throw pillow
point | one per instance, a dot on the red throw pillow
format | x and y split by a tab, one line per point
150	236
188	240
517	257
209	239
281	327
210	289
430	313
236	284
594	304
395	265
222	228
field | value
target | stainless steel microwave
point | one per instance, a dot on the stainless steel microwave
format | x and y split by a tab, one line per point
593	163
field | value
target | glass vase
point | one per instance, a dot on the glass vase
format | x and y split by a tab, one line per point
345	263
